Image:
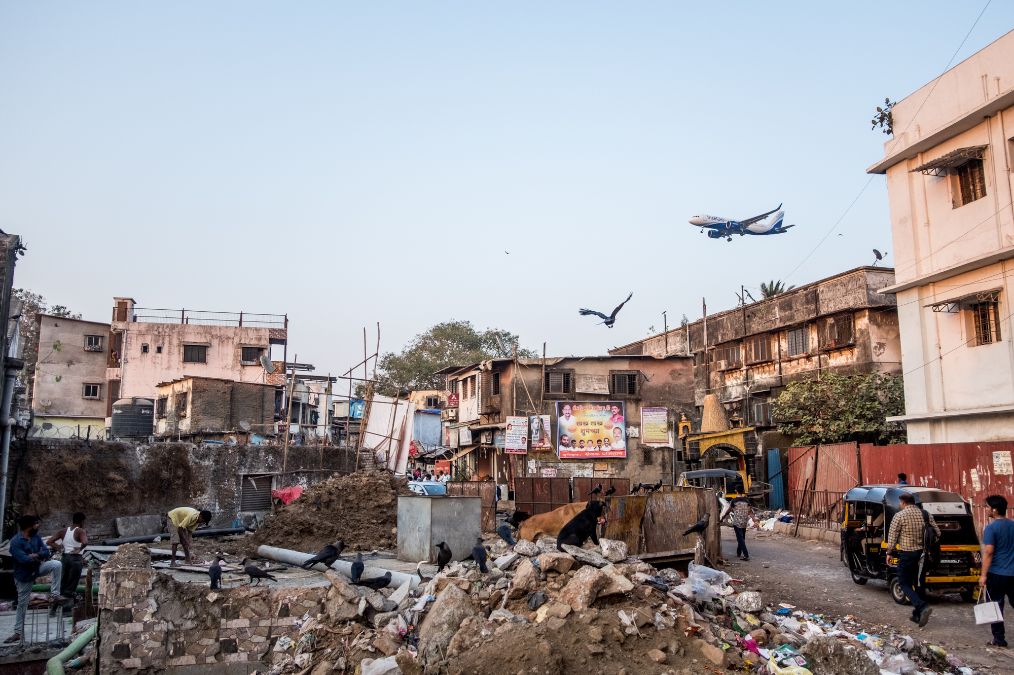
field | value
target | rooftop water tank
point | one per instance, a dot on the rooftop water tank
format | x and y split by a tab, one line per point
133	418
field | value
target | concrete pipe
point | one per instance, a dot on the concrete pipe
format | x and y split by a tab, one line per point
343	566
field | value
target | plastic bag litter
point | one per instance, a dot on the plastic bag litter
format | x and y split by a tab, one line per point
709	575
899	664
785	660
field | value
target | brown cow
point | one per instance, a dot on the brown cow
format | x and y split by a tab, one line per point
549	524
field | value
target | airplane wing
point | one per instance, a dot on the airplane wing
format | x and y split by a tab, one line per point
751	221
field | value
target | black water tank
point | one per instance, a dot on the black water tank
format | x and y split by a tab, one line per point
133	418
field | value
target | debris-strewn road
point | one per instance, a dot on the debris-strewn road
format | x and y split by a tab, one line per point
810	575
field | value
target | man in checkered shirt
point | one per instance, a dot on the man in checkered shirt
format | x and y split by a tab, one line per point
906	535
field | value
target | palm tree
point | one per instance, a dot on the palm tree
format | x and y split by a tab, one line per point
772	288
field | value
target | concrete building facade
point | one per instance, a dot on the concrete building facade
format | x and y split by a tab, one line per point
211	408
151	346
70	397
949	181
746	356
482	396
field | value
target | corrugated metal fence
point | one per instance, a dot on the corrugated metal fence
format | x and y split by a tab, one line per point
972	470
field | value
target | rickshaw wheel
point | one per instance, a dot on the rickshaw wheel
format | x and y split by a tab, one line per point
896	592
856	579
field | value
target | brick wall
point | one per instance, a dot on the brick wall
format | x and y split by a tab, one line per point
148	620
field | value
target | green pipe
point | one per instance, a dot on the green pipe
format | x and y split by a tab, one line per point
44	588
55	665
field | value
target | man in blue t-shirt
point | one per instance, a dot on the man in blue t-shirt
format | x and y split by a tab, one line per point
998	561
32	558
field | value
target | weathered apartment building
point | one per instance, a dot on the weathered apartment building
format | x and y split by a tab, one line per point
950	180
70	395
746	355
483	395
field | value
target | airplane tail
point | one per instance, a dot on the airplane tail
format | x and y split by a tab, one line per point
776	221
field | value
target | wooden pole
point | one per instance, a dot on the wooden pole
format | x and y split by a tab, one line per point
288	416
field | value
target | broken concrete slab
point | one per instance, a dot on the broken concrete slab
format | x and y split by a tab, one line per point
442	621
401	593
613	550
586	557
554	561
526	548
582	590
506	561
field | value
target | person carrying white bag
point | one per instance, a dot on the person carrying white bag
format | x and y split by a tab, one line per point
997	577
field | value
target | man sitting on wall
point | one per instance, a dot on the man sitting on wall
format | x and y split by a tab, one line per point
182	523
32	558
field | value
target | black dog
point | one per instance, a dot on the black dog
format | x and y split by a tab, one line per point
582	526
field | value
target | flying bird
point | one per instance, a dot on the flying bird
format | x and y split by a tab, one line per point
611	490
607	320
879	256
479	555
443	557
255	572
215	572
699	526
376	583
327	555
357	568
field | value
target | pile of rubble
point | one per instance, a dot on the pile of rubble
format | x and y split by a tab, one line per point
541	610
361	509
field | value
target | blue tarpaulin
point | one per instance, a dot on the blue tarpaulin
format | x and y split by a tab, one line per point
776	499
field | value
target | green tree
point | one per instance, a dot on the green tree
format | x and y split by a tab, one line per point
838	408
772	288
445	344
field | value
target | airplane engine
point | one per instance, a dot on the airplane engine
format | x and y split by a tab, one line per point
715	234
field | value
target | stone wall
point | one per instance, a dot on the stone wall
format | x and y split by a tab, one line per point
54	478
149	621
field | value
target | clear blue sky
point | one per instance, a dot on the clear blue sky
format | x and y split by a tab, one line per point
353	163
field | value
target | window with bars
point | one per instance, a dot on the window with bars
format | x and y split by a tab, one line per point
798	340
623	383
559	382
969	182
494	384
91	391
728	356
93	343
180	404
161	405
986	321
838	331
758	349
252	355
195	353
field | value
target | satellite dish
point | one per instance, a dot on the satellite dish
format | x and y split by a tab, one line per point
244	425
266	363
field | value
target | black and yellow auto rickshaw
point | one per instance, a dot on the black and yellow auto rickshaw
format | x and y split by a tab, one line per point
866	522
725	482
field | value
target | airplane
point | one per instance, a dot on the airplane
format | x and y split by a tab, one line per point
723	227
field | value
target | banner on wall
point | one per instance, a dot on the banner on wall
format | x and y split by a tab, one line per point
591	430
516	439
655	426
540	433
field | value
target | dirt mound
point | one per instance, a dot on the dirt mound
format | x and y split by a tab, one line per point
130	556
361	509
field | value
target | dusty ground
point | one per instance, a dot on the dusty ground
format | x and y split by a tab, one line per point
361	509
810	575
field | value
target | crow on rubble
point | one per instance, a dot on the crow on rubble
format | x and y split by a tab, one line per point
255	572
327	555
357	568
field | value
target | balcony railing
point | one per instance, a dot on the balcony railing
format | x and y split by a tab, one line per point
206	318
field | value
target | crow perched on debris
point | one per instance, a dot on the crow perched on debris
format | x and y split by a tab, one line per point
504	531
611	490
648	488
215	572
326	555
479	554
699	526
255	572
357	568
443	557
376	583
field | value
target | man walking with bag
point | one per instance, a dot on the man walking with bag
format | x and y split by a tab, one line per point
907	536
998	562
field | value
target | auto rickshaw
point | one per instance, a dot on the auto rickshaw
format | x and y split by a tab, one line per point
866	522
725	482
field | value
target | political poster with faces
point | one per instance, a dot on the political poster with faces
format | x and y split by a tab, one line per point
591	430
